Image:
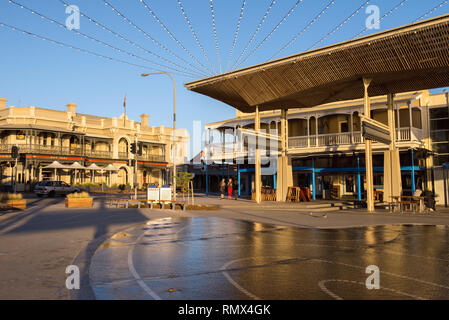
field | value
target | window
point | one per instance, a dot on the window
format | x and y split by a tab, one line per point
439	113
439	132
440	136
439	124
441	147
344	127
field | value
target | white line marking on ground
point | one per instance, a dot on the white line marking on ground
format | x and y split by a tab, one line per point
322	285
133	271
234	283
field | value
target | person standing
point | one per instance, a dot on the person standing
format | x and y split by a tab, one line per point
230	189
236	189
222	187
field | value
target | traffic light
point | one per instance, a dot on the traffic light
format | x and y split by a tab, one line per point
139	151
15	152
133	148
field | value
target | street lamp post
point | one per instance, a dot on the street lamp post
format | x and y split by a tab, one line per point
174	125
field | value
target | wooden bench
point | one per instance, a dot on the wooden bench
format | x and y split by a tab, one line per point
125	203
117	202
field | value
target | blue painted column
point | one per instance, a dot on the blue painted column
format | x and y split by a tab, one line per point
413	171
359	181
250	188
207	181
238	177
274	181
313	180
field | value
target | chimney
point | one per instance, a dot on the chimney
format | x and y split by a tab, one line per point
144	120
3	103
71	107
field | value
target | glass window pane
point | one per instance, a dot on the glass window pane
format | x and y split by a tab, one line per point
440	135
438	113
441	147
439	124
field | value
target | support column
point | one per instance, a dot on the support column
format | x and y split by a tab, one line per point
359	180
284	174
368	153
412	154
411	120
392	165
308	132
313	180
257	176
239	179
352	127
445	187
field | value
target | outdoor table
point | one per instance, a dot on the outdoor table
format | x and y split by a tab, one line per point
396	201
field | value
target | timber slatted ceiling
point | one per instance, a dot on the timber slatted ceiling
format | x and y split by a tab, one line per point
409	58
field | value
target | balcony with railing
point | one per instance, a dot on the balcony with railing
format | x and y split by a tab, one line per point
349	138
65	151
151	158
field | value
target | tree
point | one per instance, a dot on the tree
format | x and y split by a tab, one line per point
183	181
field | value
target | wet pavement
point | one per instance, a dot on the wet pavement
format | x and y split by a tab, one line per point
213	258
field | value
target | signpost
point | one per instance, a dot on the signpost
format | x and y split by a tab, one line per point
375	130
15	154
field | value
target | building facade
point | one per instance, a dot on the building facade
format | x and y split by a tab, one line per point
326	148
44	136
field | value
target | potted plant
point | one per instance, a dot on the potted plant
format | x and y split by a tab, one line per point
78	200
14	200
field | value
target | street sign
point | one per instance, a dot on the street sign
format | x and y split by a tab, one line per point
375	131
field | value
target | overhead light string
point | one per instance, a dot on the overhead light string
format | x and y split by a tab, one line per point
153	14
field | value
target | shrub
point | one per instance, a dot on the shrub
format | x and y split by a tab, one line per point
10	196
76	195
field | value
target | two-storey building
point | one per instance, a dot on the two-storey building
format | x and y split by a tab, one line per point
326	146
44	136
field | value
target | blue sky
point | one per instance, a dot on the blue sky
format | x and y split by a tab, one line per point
39	73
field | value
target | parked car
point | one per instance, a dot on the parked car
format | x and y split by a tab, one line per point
53	188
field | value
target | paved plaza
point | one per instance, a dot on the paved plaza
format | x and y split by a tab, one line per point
239	250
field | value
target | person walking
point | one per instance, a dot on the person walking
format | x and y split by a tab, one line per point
236	189
222	188
230	189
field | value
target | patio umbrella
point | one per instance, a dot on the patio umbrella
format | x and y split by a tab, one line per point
55	165
93	167
111	169
76	166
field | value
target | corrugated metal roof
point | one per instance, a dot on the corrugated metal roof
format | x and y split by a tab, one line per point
412	57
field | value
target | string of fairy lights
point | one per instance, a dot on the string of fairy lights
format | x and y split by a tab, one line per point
339	26
273	2
389	12
66	45
237	30
132	43
214	27
192	30
180	66
434	9
120	50
172	36
156	42
268	36
315	19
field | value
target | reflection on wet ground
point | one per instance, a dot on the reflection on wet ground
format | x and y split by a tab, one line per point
210	258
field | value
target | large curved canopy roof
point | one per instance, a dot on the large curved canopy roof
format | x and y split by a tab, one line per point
408	58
